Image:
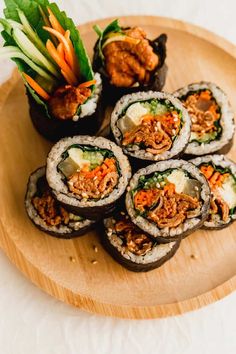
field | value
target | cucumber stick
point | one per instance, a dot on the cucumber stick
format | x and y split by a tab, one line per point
15	52
26	27
30	50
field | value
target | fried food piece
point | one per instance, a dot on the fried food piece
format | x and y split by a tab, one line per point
128	62
65	101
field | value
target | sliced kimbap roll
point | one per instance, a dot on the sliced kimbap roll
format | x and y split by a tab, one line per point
221	175
47	214
212	118
63	91
151	125
128	61
168	200
132	247
88	175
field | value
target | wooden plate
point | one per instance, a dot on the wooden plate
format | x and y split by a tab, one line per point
203	270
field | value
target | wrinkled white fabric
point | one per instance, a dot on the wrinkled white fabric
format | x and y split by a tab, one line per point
31	322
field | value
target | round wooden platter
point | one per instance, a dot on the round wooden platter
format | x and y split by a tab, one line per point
204	268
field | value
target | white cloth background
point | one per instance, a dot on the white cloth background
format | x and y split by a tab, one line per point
31	322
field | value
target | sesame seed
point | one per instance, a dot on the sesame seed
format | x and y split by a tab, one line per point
94	261
95	248
72	259
193	256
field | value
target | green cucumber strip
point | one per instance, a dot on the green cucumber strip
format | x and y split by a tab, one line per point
15	52
32	52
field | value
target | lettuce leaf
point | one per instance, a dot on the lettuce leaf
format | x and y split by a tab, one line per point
31	11
112	27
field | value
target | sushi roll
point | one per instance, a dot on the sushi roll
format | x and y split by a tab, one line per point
62	89
128	61
88	175
168	200
221	175
133	248
212	118
47	214
151	126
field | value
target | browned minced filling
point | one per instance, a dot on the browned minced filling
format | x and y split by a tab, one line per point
64	102
203	110
49	210
165	207
216	179
134	239
130	61
96	183
155	132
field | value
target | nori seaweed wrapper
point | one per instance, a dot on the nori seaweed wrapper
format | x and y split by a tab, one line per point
157	77
135	263
36	186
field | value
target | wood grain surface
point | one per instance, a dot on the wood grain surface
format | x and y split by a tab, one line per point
204	268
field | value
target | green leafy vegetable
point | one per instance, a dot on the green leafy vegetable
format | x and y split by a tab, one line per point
113	27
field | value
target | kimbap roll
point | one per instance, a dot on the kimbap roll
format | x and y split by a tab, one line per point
132	247
212	118
63	91
221	175
128	61
168	200
88	175
151	125
47	214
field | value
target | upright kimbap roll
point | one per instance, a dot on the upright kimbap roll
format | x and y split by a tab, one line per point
88	175
221	175
151	125
168	200
63	91
128	61
133	248
47	214
212	118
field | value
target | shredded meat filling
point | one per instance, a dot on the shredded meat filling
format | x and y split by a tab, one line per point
97	183
204	112
65	101
154	132
216	179
135	240
168	208
128	62
49	210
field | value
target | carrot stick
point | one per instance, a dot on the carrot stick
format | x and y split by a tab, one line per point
61	38
75	60
47	23
35	86
88	83
67	77
60	51
54	22
61	63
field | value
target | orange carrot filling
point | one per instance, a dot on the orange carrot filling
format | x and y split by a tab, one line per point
96	183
